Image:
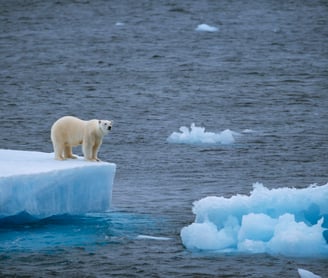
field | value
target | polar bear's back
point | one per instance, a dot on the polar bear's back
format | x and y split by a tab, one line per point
68	129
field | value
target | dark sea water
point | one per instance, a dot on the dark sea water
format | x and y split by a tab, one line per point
143	65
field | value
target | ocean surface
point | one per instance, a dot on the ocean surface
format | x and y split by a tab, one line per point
263	73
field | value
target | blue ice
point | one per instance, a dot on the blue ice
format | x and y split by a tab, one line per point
282	221
35	183
89	230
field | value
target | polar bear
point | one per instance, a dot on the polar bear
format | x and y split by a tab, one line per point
68	132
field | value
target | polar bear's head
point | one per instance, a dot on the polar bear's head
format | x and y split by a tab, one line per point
105	126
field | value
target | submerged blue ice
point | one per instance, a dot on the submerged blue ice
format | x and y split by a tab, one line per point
285	221
198	136
38	185
88	230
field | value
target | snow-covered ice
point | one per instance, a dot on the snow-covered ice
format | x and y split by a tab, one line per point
198	136
286	221
35	183
206	28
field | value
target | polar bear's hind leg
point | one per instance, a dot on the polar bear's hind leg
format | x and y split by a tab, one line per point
58	150
68	152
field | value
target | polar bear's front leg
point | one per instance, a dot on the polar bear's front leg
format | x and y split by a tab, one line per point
87	150
95	149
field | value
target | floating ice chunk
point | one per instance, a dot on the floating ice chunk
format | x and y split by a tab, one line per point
206	236
198	136
206	28
276	30
153	237
248	130
293	238
303	273
36	183
251	230
287	221
119	24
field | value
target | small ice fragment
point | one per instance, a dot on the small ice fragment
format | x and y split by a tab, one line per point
198	136
206	28
153	237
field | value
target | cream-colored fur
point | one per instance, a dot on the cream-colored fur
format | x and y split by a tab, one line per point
68	132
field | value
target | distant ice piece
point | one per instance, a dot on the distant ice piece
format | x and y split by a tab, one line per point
35	183
303	273
282	221
153	237
198	136
206	28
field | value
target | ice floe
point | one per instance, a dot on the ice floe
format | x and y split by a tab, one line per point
35	183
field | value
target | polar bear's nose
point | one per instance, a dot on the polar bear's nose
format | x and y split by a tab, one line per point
109	128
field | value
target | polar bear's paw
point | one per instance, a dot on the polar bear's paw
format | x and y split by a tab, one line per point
94	160
72	156
59	158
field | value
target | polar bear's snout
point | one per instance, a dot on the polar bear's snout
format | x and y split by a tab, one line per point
105	126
